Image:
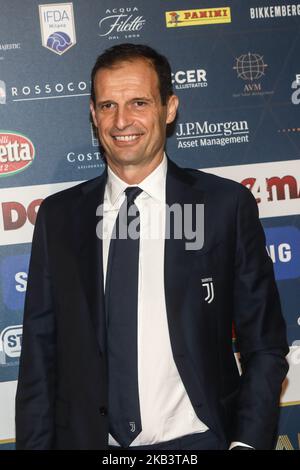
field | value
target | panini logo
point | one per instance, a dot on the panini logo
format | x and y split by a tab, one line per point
16	153
198	17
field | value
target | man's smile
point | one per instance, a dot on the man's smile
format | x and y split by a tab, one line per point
126	138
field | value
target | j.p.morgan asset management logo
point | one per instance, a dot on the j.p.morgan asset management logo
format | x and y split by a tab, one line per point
57	27
17	152
207	134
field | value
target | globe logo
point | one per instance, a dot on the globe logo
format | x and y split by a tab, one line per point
250	66
59	42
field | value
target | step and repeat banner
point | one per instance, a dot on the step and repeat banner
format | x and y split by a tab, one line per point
236	70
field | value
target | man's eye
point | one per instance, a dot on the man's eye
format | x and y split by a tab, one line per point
106	106
140	103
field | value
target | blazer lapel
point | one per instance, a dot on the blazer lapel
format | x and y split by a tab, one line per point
178	260
88	248
179	275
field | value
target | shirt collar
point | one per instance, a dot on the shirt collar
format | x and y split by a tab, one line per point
153	184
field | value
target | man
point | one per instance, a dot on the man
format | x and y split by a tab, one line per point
136	351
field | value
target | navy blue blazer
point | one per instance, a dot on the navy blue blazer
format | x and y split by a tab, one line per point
61	400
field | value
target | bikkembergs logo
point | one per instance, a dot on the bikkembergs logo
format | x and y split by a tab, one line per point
183	79
207	134
16	153
57	27
197	17
121	23
275	11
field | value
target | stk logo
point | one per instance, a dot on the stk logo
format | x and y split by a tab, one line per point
208	284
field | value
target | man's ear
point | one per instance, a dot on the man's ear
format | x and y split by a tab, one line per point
172	106
93	113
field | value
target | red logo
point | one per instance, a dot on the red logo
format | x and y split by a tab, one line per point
274	188
15	214
16	153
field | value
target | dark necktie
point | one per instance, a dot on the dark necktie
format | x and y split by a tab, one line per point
121	294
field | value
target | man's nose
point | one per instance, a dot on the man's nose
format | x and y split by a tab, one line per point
123	118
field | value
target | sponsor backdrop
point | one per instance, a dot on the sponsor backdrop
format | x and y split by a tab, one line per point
236	71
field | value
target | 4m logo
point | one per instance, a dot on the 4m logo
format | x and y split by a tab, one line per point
16	153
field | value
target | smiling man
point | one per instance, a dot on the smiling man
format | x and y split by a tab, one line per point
127	339
131	115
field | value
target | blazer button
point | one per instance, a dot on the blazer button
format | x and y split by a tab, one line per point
103	410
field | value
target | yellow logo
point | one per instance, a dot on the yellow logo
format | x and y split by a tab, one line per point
176	19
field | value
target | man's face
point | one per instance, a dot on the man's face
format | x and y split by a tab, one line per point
129	115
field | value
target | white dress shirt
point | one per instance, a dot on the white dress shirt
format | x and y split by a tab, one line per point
166	410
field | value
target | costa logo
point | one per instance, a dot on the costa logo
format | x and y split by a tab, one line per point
16	153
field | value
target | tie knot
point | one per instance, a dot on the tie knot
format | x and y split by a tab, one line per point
131	193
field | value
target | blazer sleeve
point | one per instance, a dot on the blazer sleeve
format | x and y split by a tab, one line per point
260	329
37	371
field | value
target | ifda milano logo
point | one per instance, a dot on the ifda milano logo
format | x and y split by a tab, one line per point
57	27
